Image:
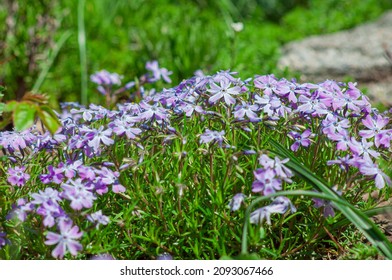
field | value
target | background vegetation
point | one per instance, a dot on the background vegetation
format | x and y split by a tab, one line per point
40	47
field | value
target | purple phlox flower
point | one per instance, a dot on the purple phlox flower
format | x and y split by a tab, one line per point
375	127
105	78
277	166
266	161
349	100
288	90
97	111
189	109
129	85
108	177
328	210
384	138
129	109
282	88
67	117
246	109
311	105
100	187
98	219
343	162
212	136
122	127
47	141
261	214
20	210
362	149
3	240
17	176
328	206
81	113
266	181
157	72
78	141
223	90
70	168
249	152
342	138
47	195
86	172
168	98
267	83
87	115
300	139
281	170
328	92
225	74
199	73
65	239
152	112
236	201
77	192
50	211
94	112
332	125
190	94
98	136
372	169
55	175
12	141
272	105
279	205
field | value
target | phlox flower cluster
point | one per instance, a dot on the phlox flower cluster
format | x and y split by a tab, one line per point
269	180
334	114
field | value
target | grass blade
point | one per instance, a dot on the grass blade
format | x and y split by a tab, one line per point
82	51
369	213
46	67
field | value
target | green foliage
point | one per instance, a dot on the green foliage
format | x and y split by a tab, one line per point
25	112
183	36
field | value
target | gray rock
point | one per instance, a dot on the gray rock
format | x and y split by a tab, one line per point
359	53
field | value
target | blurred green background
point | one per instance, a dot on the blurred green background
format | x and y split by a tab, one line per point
40	47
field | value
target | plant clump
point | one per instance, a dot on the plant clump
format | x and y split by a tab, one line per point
171	171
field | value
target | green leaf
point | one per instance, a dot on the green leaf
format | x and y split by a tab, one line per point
370	213
24	115
49	118
10	106
1	108
354	215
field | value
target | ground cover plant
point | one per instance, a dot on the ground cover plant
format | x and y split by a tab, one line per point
214	167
